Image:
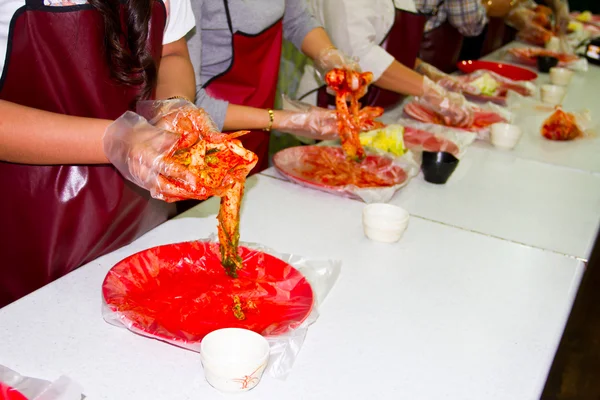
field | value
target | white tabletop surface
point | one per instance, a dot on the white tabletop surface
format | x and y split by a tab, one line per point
497	193
443	314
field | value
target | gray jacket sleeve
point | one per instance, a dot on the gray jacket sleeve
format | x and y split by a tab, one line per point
214	107
297	21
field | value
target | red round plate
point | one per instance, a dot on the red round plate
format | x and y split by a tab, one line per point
8	393
295	163
180	292
510	71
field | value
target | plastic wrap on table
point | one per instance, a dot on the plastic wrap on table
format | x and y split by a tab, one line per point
533	116
14	386
178	293
374	180
420	136
485	115
528	56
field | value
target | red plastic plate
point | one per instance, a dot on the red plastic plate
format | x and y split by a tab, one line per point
510	71
180	292
293	163
8	393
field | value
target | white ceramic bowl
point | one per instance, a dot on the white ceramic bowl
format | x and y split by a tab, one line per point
505	136
234	359
560	76
384	222
552	94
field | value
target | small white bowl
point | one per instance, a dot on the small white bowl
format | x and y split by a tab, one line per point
560	76
505	136
234	359
384	222
552	94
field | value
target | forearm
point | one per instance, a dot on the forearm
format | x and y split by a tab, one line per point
242	117
176	78
176	73
32	136
316	41
400	79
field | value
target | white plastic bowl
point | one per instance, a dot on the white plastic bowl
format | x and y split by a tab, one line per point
560	76
552	94
234	359
384	222
505	136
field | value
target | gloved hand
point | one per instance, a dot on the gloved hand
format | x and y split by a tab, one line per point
446	81
453	107
331	58
308	121
142	150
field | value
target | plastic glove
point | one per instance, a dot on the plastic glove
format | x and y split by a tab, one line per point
140	149
309	121
430	71
331	58
453	107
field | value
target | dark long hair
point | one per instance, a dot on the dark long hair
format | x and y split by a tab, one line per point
127	54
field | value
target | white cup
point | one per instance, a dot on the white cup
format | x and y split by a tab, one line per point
234	359
560	76
505	136
552	94
384	222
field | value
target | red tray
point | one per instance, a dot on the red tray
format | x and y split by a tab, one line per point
417	138
8	393
292	163
180	293
510	71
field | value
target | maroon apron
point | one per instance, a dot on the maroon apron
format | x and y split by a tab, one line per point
403	42
56	218
251	79
441	47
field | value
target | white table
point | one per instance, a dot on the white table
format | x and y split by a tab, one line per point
445	313
498	194
583	93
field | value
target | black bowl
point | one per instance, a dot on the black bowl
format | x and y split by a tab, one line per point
438	166
544	63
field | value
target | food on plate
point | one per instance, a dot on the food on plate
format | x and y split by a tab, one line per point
482	118
536	35
585	16
350	86
388	139
414	138
529	55
561	125
486	84
575	26
328	166
221	164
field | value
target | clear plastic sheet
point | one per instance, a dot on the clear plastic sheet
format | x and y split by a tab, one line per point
470	86
528	56
14	386
531	115
178	293
417	137
484	116
326	168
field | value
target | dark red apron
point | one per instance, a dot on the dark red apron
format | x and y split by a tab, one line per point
56	218
403	42
441	47
251	79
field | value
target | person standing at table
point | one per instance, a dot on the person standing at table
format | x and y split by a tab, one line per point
236	50
68	70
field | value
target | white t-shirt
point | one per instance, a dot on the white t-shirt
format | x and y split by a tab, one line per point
357	27
180	20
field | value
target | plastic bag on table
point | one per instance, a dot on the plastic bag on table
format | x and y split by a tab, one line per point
551	122
528	56
14	386
483	86
325	167
484	115
178	293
